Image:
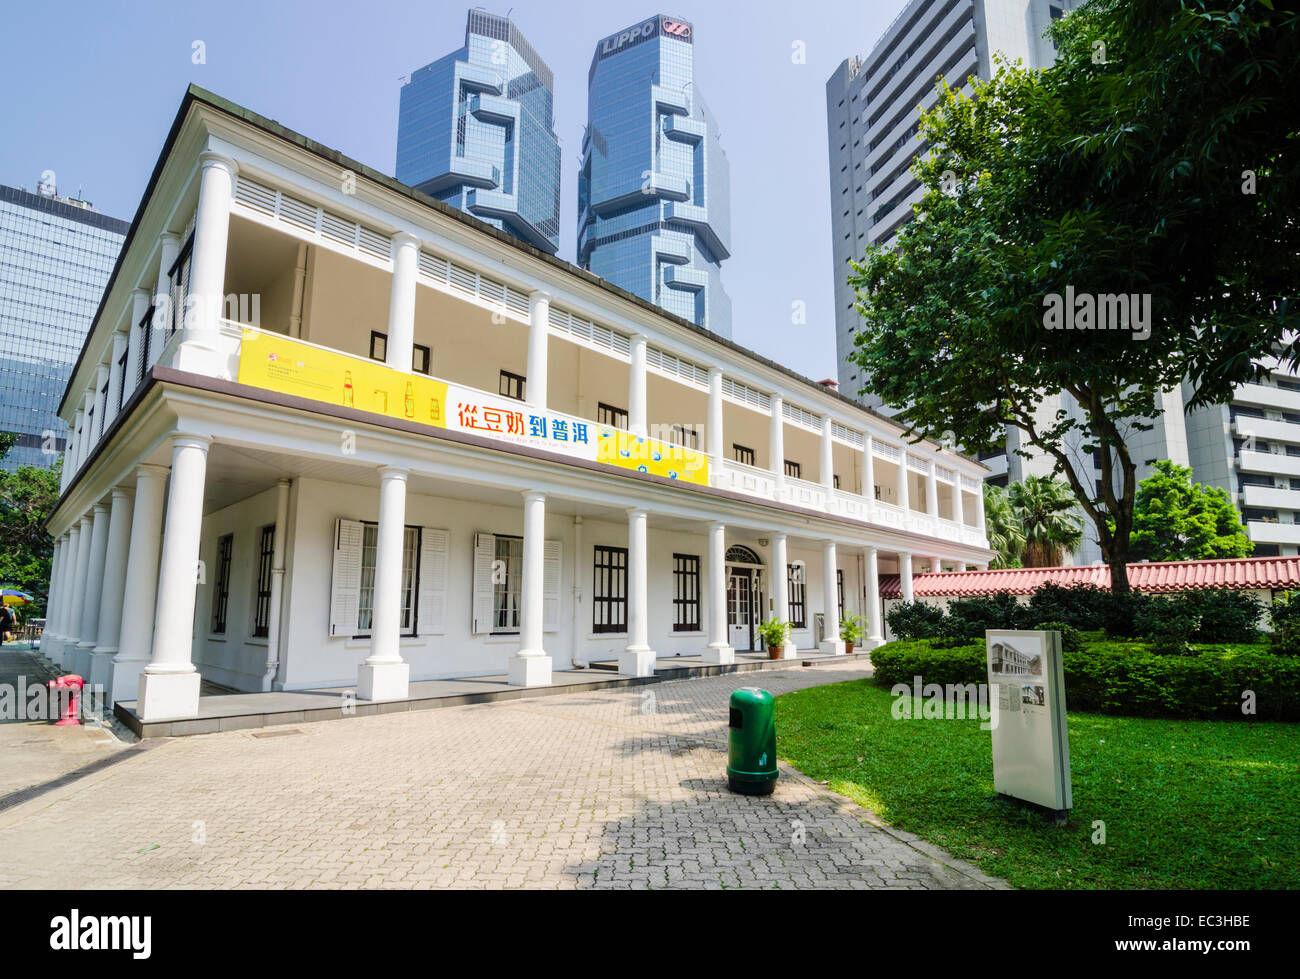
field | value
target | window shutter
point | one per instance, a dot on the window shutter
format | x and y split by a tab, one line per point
345	581
551	563
485	554
434	548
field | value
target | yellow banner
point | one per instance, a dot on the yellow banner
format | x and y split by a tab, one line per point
278	363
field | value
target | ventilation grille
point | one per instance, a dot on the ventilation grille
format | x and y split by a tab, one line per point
289	209
944	475
671	364
970	485
885	450
917	463
600	337
457	278
806	418
745	394
847	435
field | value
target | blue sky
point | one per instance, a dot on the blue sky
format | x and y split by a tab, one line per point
89	90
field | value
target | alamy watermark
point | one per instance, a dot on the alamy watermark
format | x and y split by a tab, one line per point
1098	311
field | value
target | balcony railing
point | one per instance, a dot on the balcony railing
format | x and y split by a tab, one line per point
277	362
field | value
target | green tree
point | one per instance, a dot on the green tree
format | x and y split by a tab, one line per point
1005	533
1117	171
1175	519
1046	509
27	498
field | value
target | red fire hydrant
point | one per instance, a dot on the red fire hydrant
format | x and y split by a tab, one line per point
66	692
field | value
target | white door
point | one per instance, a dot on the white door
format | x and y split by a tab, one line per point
739	609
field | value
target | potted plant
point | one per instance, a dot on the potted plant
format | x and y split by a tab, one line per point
852	629
775	635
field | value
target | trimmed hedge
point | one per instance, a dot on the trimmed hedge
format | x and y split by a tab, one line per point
1127	679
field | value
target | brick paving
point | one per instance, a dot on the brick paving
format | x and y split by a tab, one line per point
620	788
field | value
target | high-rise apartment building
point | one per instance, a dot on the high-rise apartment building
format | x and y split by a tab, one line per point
476	129
55	257
654	197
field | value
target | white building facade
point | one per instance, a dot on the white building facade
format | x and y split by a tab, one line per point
345	435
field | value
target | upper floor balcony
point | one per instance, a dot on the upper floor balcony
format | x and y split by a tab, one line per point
448	327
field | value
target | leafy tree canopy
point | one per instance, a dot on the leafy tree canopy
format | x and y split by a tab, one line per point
1175	519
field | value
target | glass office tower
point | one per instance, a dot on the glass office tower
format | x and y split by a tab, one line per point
476	129
654	195
55	259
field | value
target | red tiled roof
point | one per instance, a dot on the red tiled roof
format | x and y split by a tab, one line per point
1152	576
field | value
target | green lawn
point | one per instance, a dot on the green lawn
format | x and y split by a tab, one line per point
1187	804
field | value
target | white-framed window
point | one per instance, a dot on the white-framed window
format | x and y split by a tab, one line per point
425	554
498	584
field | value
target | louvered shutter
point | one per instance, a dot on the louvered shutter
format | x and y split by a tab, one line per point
345	581
485	555
551	564
434	548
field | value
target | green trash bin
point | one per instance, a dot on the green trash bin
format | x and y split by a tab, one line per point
751	755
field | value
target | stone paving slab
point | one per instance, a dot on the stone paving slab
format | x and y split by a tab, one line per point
37	751
619	788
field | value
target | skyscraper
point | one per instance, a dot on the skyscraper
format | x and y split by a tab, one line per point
654	193
476	129
55	258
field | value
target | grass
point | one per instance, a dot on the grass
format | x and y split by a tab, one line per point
1186	804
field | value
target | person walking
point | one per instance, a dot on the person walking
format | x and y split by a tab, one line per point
6	623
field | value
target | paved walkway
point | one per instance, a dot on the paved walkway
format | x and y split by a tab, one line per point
37	751
620	788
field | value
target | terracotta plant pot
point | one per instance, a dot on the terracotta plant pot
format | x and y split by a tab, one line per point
773	652
848	648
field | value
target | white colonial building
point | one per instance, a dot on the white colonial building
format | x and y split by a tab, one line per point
328	431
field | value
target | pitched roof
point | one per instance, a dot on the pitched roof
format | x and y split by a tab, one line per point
1148	576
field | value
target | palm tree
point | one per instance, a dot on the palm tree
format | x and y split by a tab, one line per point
1046	509
1005	533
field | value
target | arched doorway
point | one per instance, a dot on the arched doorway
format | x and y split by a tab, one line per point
744	597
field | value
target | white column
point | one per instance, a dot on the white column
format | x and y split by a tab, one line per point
828	453
936	565
776	440
208	268
901	487
383	676
110	604
135	638
52	595
539	328
165	318
76	600
958	508
781	588
714	437
116	376
79	442
277	582
169	686
100	401
979	508
905	575
719	649
139	309
830	600
868	469
636	384
92	590
637	659
67	624
875	623
531	666
931	492
400	345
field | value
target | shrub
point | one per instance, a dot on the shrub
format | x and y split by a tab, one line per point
1081	606
1224	614
916	620
899	662
1071	638
968	618
1168	624
1128	678
1284	617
